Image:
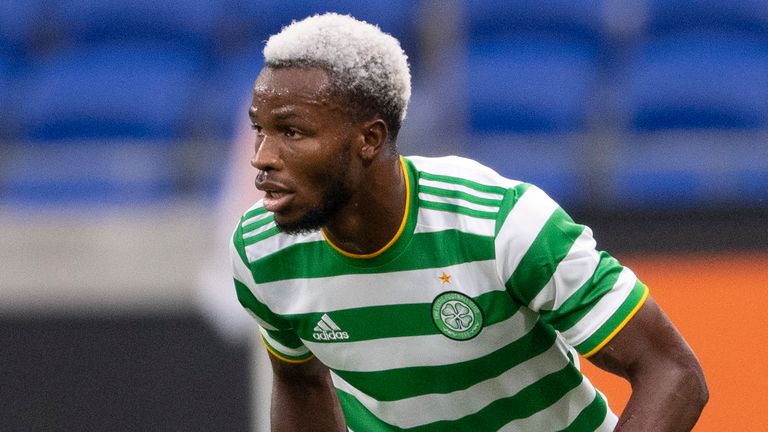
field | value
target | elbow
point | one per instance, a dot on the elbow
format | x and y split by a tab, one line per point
693	385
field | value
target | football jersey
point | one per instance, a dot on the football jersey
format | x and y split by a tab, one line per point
473	317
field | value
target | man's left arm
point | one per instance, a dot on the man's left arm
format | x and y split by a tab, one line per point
668	386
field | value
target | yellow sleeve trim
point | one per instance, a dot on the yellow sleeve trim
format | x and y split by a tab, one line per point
399	229
620	326
282	357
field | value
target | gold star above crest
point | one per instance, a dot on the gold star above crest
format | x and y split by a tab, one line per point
445	278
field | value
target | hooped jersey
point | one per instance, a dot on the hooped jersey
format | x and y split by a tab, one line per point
471	319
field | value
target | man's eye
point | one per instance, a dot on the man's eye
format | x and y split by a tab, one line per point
257	128
292	133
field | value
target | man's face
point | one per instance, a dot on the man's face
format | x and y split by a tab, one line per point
304	148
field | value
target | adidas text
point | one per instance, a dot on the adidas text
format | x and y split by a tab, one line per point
331	335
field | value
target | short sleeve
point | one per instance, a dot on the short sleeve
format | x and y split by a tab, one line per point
276	332
550	264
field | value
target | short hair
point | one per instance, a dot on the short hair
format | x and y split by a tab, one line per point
364	64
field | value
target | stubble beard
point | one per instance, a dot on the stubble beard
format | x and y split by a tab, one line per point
337	194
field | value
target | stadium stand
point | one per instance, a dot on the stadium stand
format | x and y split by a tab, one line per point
542	82
532	72
695	96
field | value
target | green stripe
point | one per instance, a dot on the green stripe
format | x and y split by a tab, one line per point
532	399
511	197
584	299
377	322
261	236
426	250
541	260
453	208
403	383
448	193
249	301
255	212
237	239
280	338
258	224
615	320
464	182
592	416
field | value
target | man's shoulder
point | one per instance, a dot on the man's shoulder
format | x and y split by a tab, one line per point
460	170
257	235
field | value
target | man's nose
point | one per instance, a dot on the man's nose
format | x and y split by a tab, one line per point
267	154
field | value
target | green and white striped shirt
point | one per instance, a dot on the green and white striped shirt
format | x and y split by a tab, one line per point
472	318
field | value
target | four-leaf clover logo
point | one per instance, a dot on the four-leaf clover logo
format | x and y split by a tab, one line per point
457	315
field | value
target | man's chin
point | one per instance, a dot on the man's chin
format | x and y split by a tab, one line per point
306	225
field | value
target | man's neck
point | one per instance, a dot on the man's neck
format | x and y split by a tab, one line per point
373	217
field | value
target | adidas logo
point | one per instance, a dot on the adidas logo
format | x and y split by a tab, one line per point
326	329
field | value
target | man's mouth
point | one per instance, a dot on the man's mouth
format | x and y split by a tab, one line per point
276	200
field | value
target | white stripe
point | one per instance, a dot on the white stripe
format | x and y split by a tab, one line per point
330	322
609	424
603	310
558	415
456	166
429	350
457	201
299	296
255	219
259	230
460	188
282	349
436	220
277	242
425	409
520	229
574	270
260	321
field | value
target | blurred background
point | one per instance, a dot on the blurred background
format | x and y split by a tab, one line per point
124	147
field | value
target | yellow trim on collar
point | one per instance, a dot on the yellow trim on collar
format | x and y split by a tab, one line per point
397	234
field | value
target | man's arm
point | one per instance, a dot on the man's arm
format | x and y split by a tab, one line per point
303	398
668	387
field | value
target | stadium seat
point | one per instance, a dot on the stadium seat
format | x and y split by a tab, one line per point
695	100
190	24
225	94
532	76
256	21
699	80
569	20
532	65
18	20
678	16
530	86
111	91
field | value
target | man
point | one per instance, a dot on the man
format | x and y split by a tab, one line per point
409	293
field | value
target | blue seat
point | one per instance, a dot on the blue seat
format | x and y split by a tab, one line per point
532	65
19	20
699	80
530	86
677	16
226	93
256	21
569	20
111	91
191	24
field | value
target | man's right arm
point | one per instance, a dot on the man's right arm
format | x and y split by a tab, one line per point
303	397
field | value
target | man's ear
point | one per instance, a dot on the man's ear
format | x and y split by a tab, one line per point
374	134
